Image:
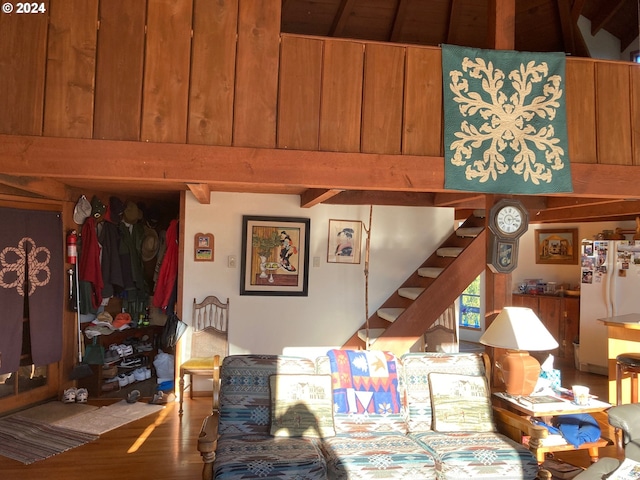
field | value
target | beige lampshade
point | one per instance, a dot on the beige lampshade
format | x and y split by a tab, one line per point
518	328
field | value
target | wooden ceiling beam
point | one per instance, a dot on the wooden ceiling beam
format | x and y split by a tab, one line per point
314	196
414	199
502	24
606	12
627	40
457	199
340	20
243	168
40	186
576	9
586	213
453	16
201	191
558	203
398	21
567	25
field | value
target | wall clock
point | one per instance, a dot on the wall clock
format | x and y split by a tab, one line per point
508	221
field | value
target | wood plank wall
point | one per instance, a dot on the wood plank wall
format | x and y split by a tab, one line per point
220	73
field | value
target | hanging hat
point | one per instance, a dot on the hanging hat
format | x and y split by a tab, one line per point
82	210
131	213
150	244
97	208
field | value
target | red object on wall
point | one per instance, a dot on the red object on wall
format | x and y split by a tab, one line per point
72	247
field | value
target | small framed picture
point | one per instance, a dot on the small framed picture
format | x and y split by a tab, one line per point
203	247
345	241
558	247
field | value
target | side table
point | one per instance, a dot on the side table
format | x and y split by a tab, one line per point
563	407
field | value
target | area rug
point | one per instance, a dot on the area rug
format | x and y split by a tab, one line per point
105	419
51	412
27	440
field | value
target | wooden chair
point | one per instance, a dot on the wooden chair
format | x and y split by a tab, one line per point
210	322
442	336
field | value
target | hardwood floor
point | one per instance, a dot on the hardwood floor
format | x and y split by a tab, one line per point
157	447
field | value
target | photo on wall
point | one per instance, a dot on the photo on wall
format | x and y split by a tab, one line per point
345	241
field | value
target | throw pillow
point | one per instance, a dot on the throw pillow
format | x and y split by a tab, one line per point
301	405
460	403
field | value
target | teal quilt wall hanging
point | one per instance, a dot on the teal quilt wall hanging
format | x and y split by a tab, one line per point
505	123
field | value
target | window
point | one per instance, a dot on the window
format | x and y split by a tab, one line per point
470	306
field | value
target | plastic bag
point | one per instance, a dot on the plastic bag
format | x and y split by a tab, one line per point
163	364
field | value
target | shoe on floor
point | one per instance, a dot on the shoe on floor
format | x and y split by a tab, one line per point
133	396
69	395
162	398
82	394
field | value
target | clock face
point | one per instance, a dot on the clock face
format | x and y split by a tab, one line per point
509	219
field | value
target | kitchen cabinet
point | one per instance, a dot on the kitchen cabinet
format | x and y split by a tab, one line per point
561	316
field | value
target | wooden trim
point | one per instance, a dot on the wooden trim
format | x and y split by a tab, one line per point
245	168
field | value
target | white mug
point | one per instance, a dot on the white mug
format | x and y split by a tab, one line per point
580	395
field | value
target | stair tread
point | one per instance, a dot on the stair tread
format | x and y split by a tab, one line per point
469	231
430	272
374	333
390	313
449	251
410	292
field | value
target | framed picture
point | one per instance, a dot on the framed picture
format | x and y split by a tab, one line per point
557	246
345	241
203	247
275	256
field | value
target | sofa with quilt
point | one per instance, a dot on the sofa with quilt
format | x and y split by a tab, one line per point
356	414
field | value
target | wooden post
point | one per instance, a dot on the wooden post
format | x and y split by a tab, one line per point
502	25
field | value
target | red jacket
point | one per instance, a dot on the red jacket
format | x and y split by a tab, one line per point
89	268
169	268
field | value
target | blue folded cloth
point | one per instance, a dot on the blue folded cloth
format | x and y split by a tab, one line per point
552	430
578	428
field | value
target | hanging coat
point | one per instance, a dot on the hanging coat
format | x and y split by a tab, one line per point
168	270
90	269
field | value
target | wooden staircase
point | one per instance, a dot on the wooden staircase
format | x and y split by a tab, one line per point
404	317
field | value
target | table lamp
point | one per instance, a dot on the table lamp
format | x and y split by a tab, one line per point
518	329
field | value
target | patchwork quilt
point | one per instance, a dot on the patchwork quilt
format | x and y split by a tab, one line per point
364	382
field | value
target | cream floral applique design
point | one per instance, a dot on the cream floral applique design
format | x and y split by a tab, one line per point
497	123
15	262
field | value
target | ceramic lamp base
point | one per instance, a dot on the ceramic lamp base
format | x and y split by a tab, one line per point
520	372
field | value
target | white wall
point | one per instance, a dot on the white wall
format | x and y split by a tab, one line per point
402	238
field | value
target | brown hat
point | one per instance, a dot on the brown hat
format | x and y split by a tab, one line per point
132	213
150	244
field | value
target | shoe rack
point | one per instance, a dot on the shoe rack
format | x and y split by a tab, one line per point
143	341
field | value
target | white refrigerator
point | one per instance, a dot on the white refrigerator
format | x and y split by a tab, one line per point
610	286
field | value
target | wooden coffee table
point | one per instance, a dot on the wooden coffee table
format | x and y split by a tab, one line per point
552	410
